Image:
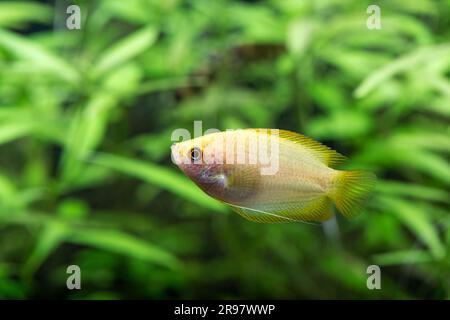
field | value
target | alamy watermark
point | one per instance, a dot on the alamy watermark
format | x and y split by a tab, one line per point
255	147
374	280
73	21
374	20
74	280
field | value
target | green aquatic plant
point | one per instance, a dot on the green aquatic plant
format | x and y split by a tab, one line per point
85	131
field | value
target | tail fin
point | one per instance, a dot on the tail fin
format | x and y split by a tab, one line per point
350	190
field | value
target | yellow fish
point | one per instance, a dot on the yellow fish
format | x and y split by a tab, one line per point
271	175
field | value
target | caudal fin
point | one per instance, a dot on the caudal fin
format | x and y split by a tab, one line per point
350	190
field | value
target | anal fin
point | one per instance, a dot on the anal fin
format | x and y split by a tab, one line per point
317	210
259	216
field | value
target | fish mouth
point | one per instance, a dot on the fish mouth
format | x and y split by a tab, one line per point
176	154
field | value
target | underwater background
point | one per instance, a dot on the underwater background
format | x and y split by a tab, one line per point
86	117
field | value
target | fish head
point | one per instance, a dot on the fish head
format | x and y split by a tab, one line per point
205	161
199	160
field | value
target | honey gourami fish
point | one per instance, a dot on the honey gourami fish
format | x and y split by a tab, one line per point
271	175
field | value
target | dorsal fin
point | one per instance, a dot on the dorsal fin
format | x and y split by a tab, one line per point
326	155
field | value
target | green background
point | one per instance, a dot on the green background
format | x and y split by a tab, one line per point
86	118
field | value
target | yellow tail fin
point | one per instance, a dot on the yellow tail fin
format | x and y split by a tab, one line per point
350	190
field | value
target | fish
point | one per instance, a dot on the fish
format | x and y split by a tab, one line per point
273	175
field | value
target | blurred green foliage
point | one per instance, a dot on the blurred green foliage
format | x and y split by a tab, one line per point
85	125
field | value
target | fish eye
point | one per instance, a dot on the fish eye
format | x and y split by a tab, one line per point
195	154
